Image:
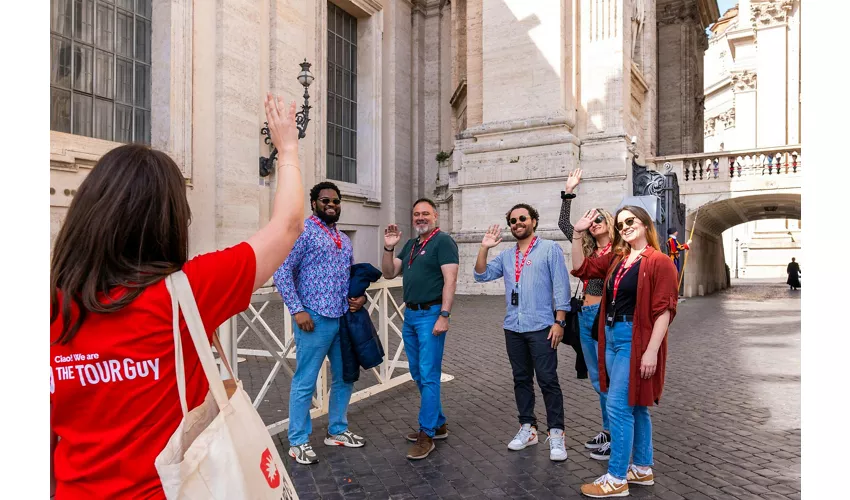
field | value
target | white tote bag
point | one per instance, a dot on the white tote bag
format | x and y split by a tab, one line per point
221	450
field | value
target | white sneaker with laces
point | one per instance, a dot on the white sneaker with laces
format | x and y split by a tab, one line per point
557	449
526	436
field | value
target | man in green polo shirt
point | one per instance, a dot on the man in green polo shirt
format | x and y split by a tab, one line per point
429	264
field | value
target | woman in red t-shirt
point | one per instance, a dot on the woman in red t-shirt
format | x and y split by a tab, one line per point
113	387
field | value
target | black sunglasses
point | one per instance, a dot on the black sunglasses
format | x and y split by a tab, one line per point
522	218
328	201
628	222
599	219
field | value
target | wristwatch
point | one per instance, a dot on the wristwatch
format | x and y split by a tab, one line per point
561	322
567	196
445	314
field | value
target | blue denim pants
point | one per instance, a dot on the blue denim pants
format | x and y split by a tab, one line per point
311	348
589	348
631	427
424	352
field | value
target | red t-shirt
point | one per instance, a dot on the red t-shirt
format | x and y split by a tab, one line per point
113	388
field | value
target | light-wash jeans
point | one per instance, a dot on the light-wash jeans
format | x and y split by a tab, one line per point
425	355
311	348
589	348
631	427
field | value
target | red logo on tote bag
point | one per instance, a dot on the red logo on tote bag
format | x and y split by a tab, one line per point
269	469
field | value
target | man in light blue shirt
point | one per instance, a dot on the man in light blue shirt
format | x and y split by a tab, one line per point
536	283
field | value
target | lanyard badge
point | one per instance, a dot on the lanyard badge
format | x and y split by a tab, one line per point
518	266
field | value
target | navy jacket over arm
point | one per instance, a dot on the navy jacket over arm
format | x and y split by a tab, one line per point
359	340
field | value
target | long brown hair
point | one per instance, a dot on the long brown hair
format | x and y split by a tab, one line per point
620	246
127	226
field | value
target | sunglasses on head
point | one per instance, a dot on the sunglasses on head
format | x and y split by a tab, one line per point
628	223
328	201
522	218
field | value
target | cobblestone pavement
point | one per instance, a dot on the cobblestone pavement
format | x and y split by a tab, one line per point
728	425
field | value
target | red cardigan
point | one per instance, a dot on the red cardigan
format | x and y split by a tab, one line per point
657	291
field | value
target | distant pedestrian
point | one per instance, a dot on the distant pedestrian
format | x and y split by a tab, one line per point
793	274
429	265
536	278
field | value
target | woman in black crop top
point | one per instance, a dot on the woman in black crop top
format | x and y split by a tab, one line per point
595	242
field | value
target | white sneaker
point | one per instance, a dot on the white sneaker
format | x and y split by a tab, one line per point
526	436
557	449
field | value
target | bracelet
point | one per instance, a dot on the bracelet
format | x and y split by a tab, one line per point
390	250
567	196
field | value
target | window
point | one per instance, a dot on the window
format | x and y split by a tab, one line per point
342	95
100	73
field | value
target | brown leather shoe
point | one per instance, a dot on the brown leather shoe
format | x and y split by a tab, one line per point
442	432
422	448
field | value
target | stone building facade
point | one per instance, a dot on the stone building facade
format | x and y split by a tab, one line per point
478	104
752	101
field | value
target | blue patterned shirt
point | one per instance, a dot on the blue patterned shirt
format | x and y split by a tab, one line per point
544	286
316	273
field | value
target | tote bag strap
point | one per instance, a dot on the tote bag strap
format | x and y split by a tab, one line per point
186	300
179	367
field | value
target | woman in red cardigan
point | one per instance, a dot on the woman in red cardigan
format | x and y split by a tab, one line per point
638	303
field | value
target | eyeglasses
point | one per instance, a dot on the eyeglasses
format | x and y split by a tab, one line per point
522	218
328	201
628	222
599	219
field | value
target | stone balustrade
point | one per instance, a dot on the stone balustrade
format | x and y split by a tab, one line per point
730	165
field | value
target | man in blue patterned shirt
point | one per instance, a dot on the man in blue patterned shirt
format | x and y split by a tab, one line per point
313	282
536	283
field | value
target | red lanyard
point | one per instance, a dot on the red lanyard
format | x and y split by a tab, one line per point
336	239
421	249
518	265
621	273
599	253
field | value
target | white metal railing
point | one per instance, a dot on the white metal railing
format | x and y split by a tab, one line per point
279	344
729	165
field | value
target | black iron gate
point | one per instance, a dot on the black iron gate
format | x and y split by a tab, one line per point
665	187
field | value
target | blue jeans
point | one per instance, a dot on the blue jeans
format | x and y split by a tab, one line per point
631	428
310	351
589	348
425	356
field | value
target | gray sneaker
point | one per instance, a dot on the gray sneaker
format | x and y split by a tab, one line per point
303	454
526	436
347	439
557	449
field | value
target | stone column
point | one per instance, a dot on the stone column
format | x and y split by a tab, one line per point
744	87
681	45
770	22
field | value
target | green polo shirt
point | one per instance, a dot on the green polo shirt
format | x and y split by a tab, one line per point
423	281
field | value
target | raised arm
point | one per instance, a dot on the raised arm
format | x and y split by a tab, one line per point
485	271
564	224
275	240
390	264
583	224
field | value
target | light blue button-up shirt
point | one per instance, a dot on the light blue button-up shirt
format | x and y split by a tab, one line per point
544	286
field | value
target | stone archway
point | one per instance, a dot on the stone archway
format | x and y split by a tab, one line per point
705	270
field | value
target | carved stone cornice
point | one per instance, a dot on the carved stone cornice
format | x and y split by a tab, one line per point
767	13
727	119
677	12
743	81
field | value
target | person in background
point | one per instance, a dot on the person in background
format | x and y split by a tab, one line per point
429	264
113	392
638	304
535	277
314	285
596	242
674	248
793	271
